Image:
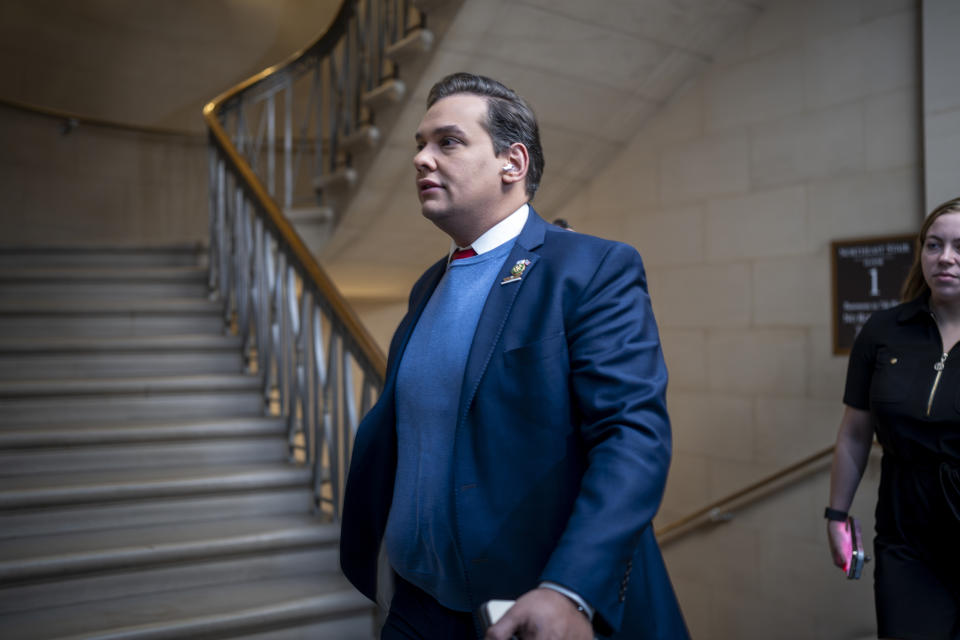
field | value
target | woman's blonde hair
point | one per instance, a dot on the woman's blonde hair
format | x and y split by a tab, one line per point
915	286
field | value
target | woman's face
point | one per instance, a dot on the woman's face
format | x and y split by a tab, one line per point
940	258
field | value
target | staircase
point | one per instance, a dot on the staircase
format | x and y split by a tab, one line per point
144	493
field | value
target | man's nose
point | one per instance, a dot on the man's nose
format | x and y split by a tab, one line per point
422	160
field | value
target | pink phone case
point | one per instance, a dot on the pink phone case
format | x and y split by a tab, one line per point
858	557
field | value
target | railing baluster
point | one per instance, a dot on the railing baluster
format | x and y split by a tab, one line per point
324	436
279	328
234	282
271	145
366	393
305	376
245	298
288	145
332	111
259	293
332	421
213	163
241	124
292	353
223	257
349	397
292	323
270	323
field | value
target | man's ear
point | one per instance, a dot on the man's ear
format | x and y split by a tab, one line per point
516	161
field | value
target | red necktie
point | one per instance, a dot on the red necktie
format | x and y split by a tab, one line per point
463	253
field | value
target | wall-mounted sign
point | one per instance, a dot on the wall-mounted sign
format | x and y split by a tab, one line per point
867	277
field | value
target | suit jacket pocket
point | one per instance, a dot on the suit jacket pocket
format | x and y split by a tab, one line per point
533	353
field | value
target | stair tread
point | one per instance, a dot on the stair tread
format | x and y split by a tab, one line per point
138	483
73	434
120	274
312	595
130	385
145	476
120	343
106	249
91	305
64	518
161	541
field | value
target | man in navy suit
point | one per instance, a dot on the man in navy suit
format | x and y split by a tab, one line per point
520	446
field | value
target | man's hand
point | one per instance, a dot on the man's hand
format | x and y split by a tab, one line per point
542	614
841	542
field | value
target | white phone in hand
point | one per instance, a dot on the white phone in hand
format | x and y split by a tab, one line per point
492	610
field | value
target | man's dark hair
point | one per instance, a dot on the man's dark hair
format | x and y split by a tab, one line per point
509	118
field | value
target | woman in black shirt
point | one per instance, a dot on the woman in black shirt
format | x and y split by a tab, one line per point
903	383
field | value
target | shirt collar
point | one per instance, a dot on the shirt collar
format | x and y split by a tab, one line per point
504	231
919	306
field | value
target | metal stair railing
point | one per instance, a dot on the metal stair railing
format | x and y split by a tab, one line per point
321	369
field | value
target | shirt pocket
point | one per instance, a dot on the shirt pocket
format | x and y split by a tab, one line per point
894	373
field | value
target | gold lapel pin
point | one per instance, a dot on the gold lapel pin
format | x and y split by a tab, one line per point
516	272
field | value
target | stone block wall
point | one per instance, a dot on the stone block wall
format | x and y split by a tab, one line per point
806	129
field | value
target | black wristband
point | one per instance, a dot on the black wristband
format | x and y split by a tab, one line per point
835	515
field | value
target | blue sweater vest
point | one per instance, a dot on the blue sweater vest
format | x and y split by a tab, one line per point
420	536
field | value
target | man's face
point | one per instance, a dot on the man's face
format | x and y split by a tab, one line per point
458	173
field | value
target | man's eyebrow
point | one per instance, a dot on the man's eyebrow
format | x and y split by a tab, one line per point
444	130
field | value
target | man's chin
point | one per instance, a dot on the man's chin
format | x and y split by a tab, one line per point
433	212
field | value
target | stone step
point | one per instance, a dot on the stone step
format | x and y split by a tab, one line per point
151	511
61	569
104	400
36	558
102	283
121	257
203	343
99	487
362	626
219	571
74	435
109	318
101	274
343	178
67	357
359	627
135	386
364	138
384	96
149	455
415	44
314	605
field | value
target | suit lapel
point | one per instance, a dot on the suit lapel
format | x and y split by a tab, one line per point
500	301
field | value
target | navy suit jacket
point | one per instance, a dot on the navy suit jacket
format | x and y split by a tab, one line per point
562	443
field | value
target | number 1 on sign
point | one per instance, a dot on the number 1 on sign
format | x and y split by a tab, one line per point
874	284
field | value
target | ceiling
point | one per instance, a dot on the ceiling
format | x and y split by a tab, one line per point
146	62
593	72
